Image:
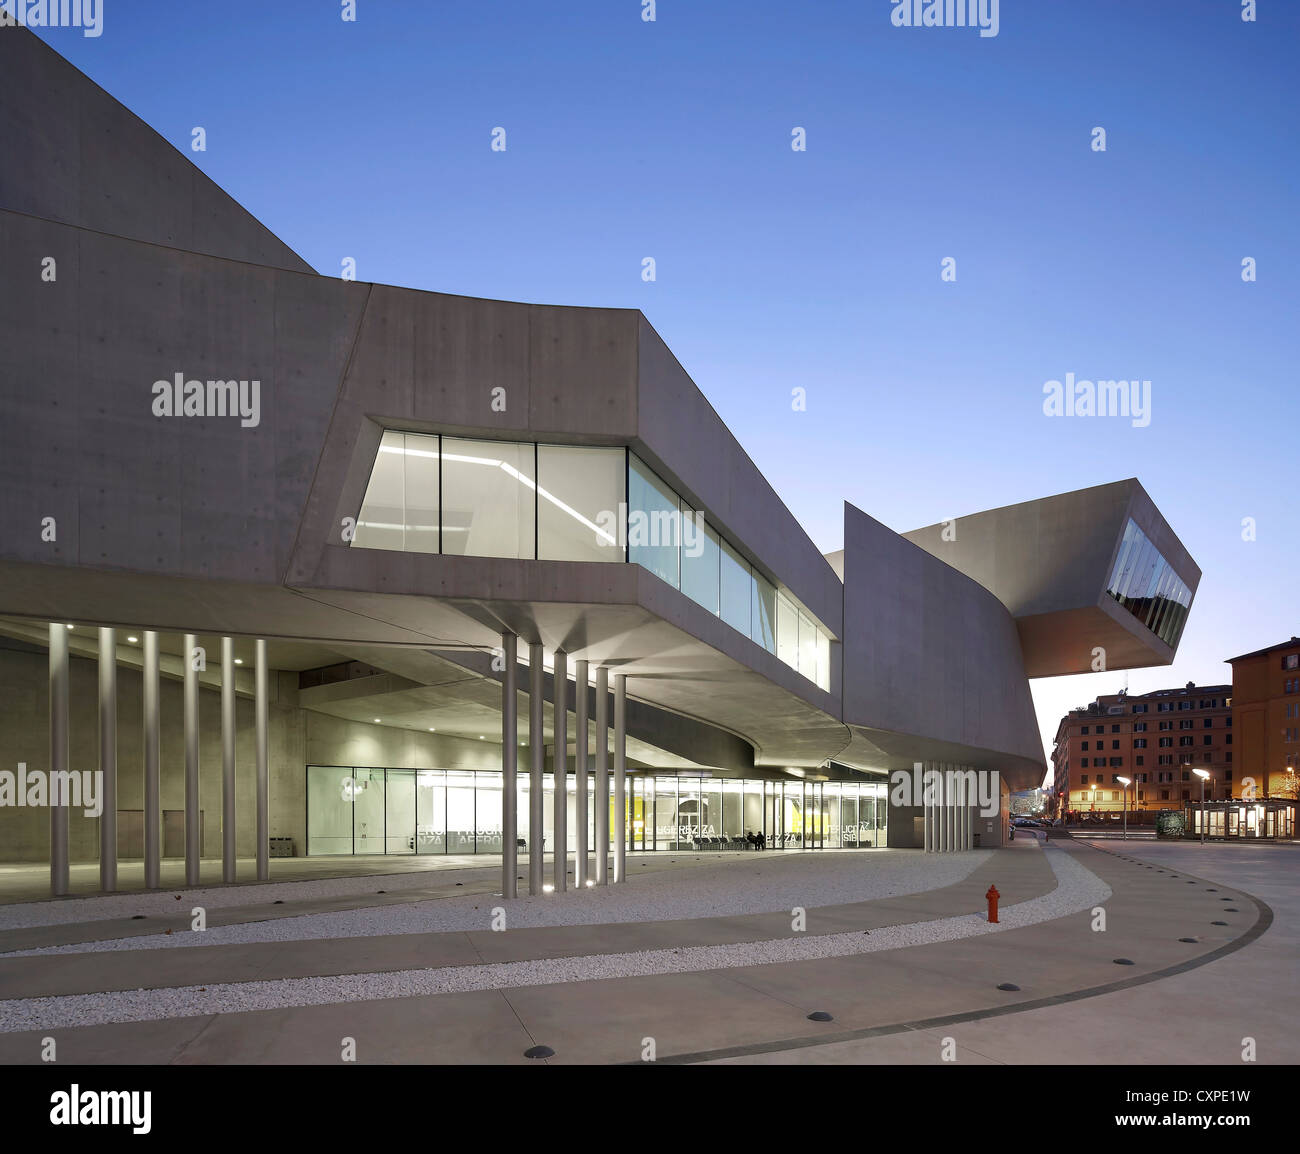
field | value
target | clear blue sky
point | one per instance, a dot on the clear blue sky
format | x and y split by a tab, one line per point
820	269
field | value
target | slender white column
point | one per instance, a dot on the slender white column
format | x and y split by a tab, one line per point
227	759
581	868
152	808
927	809
620	777
193	851
263	770
509	767
602	777
560	771
537	755
949	808
59	875
108	759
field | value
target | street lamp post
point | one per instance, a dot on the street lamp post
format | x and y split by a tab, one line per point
1125	782
1204	777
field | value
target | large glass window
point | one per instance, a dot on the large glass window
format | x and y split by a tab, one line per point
579	491
399	815
480	498
489	498
787	631
329	809
653	523
701	562
735	589
420	469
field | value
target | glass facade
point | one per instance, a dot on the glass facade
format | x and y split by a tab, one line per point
455	495
367	810
1145	584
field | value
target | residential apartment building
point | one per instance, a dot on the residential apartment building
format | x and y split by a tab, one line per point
1266	715
1155	739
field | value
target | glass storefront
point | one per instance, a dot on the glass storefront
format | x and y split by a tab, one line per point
365	810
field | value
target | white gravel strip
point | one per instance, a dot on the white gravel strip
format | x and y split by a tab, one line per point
1078	888
703	891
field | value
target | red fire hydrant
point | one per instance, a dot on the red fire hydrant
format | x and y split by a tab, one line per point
992	896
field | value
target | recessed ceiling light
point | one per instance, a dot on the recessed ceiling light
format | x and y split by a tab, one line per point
432	730
239	661
480	737
69	626
133	640
376	721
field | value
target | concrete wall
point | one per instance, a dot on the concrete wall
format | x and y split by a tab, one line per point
927	650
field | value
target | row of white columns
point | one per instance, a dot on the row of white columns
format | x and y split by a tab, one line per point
108	767
560	769
947	803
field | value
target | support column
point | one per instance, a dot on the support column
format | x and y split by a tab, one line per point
927	809
560	771
263	772
227	760
620	777
152	808
580	870
950	809
193	851
602	777
59	876
536	754
108	760
943	808
509	767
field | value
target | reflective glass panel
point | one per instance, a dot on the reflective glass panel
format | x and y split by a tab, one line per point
579	490
653	523
489	499
735	589
701	573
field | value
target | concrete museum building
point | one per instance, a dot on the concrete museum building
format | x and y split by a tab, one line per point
349	569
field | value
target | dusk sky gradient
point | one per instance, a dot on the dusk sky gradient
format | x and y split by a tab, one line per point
820	270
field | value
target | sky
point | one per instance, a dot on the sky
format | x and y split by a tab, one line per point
820	269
